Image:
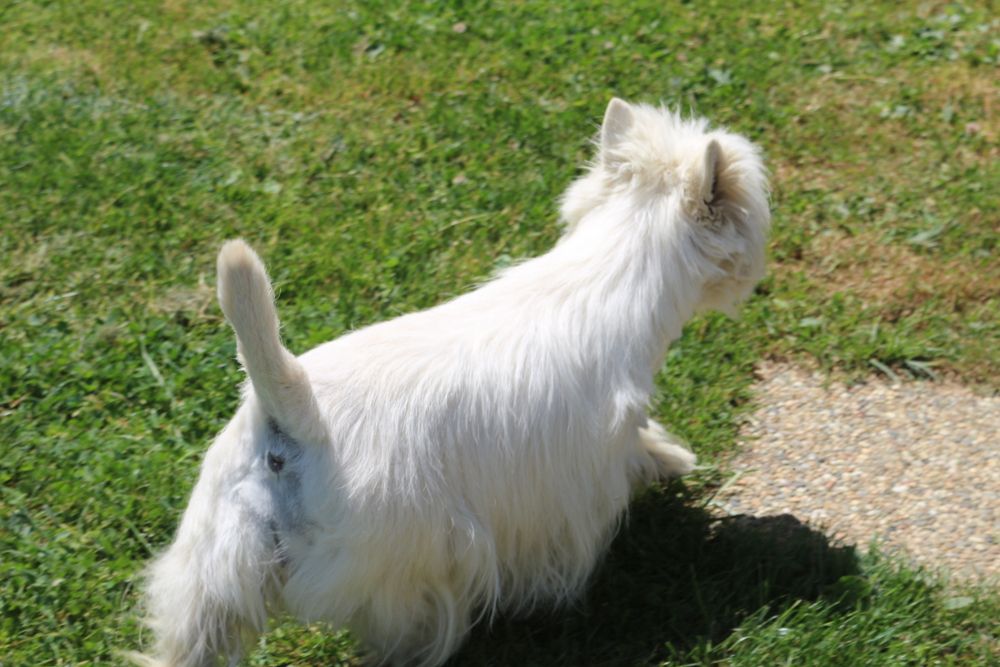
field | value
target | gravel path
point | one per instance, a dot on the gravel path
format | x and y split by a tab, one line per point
915	465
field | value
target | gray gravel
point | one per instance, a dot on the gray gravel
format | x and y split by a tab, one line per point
914	465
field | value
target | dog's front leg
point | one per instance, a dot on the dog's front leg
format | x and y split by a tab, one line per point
659	455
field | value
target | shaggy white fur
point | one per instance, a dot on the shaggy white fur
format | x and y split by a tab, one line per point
410	477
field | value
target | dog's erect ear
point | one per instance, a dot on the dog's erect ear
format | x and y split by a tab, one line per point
710	173
617	121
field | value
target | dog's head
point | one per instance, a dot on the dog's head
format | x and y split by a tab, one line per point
704	190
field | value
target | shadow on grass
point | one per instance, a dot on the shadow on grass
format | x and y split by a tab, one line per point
675	577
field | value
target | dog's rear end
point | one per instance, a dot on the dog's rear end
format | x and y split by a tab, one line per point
210	593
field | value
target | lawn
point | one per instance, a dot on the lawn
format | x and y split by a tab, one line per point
383	157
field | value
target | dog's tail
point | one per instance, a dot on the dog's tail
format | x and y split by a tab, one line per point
278	379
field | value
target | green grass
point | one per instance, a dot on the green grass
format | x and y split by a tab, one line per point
382	159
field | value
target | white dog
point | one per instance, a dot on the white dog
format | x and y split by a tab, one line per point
411	477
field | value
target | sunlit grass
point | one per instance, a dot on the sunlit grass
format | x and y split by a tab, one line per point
383	158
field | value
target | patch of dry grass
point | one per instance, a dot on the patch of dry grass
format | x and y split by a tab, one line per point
889	275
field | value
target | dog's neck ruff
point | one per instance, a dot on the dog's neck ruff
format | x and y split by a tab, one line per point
617	287
628	272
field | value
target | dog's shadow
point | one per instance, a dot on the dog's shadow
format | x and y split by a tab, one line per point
675	577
